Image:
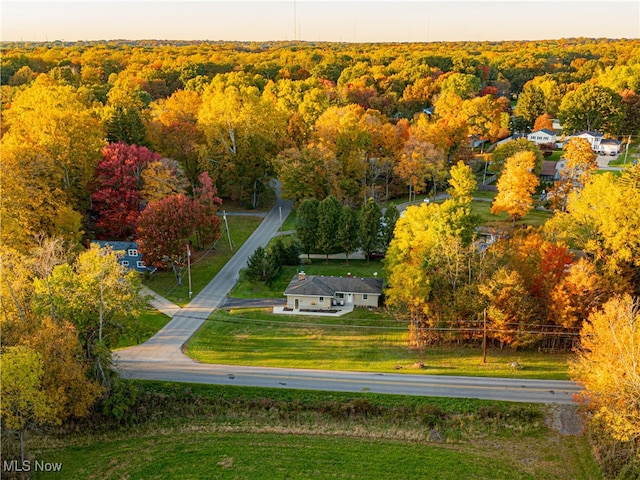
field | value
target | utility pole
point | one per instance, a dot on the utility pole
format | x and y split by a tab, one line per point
226	225
189	268
627	151
484	337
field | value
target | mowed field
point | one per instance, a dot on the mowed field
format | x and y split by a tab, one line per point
182	431
362	340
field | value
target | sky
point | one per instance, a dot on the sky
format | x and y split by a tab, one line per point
318	20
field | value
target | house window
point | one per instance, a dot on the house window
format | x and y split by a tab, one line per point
365	296
140	264
321	299
125	263
339	295
132	252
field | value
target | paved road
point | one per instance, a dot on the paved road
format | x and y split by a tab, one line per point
166	345
161	357
515	390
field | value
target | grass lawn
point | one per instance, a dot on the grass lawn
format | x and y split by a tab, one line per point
150	321
209	431
289	222
205	264
239	455
362	340
487	194
555	156
534	218
619	161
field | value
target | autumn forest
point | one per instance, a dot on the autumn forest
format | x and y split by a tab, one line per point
148	140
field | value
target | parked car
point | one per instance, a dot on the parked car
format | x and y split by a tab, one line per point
375	256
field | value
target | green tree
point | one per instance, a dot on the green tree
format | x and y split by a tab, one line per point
307	224
329	216
516	186
304	173
256	264
531	103
347	234
264	264
100	297
428	268
508	149
591	107
389	219
369	227
463	85
123	115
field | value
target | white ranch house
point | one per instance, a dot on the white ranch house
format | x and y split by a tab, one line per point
542	137
319	292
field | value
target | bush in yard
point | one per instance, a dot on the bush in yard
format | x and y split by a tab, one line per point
285	252
263	266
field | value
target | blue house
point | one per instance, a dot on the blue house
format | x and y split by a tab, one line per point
130	256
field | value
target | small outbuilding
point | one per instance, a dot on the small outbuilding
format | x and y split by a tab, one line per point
319	292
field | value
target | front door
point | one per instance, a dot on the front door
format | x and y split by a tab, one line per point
297	304
349	298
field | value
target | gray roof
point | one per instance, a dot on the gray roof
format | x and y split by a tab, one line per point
116	244
588	132
610	141
544	130
319	285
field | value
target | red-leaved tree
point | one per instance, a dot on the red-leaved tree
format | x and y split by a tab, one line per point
117	200
166	226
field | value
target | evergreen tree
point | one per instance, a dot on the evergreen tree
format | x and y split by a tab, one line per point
348	231
369	229
329	216
307	224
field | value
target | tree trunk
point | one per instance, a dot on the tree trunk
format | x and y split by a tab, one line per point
21	435
177	272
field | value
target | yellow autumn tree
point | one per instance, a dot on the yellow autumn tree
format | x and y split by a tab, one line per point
463	182
408	283
516	186
50	146
580	163
23	399
603	220
608	366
